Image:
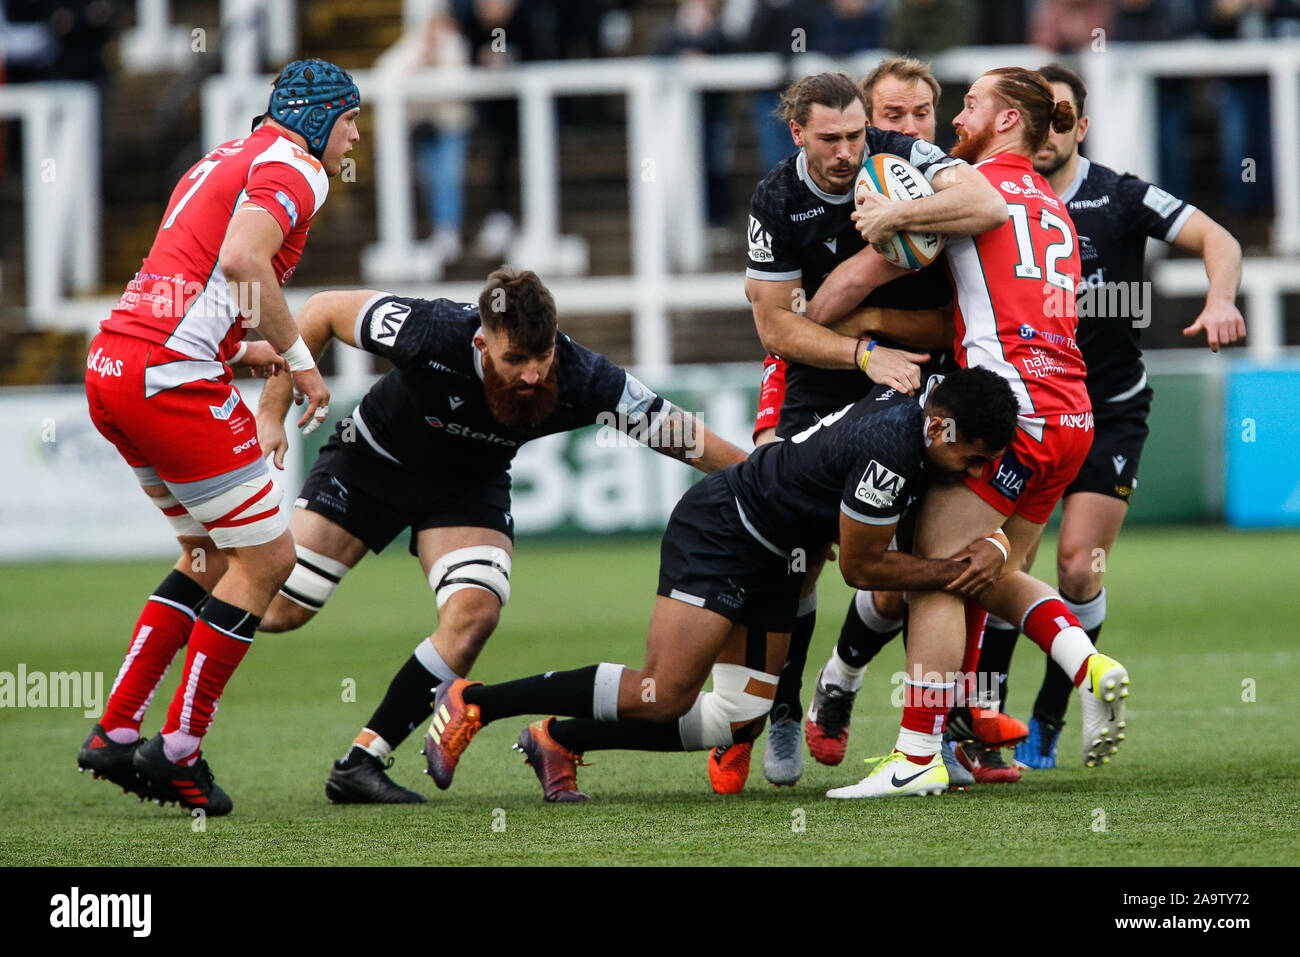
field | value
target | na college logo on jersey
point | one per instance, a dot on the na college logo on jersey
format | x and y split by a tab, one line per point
879	486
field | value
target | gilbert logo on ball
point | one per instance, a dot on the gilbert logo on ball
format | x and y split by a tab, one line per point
895	178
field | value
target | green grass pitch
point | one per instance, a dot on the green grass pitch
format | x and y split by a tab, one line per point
1205	619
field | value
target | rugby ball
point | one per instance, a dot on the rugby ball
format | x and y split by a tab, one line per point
895	178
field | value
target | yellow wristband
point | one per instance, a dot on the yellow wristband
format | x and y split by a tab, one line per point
866	356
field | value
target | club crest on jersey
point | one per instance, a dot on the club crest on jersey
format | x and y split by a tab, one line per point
223	411
1009	476
878	486
386	322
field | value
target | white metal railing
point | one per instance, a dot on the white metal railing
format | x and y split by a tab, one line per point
665	164
665	151
61	198
155	43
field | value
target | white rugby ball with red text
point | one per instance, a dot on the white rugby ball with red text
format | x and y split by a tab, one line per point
895	178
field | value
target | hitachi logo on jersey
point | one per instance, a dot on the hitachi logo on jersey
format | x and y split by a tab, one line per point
807	214
1090	203
878	486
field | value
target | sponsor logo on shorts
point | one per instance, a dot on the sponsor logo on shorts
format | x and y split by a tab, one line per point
1009	476
1077	420
386	322
102	364
246	446
1119	461
878	486
222	412
1124	491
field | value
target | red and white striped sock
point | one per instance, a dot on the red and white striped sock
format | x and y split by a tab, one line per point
925	715
160	631
1052	626
218	643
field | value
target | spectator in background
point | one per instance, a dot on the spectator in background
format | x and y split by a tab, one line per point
845	27
1157	21
441	136
1244	102
927	27
772	26
697	30
1067	26
500	33
1002	22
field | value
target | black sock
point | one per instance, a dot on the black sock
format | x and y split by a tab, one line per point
859	642
791	682
994	660
581	735
1054	693
567	693
406	703
230	618
182	589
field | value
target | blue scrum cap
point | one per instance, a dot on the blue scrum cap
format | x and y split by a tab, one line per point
308	97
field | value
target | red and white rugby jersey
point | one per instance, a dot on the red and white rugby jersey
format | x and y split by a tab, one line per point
179	298
1014	290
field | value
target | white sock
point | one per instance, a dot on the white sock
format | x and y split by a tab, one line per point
123	735
378	748
1071	648
177	745
433	662
918	744
837	672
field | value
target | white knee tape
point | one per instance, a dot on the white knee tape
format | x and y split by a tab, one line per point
735	686
183	523
313	579
479	566
705	725
709	722
246	515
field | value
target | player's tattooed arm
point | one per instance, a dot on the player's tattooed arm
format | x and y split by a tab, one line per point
683	435
1220	320
867	562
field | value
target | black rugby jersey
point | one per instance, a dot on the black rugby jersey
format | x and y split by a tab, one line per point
799	231
1113	215
866	460
430	414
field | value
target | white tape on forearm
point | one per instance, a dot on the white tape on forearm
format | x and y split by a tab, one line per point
299	356
239	353
1001	548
